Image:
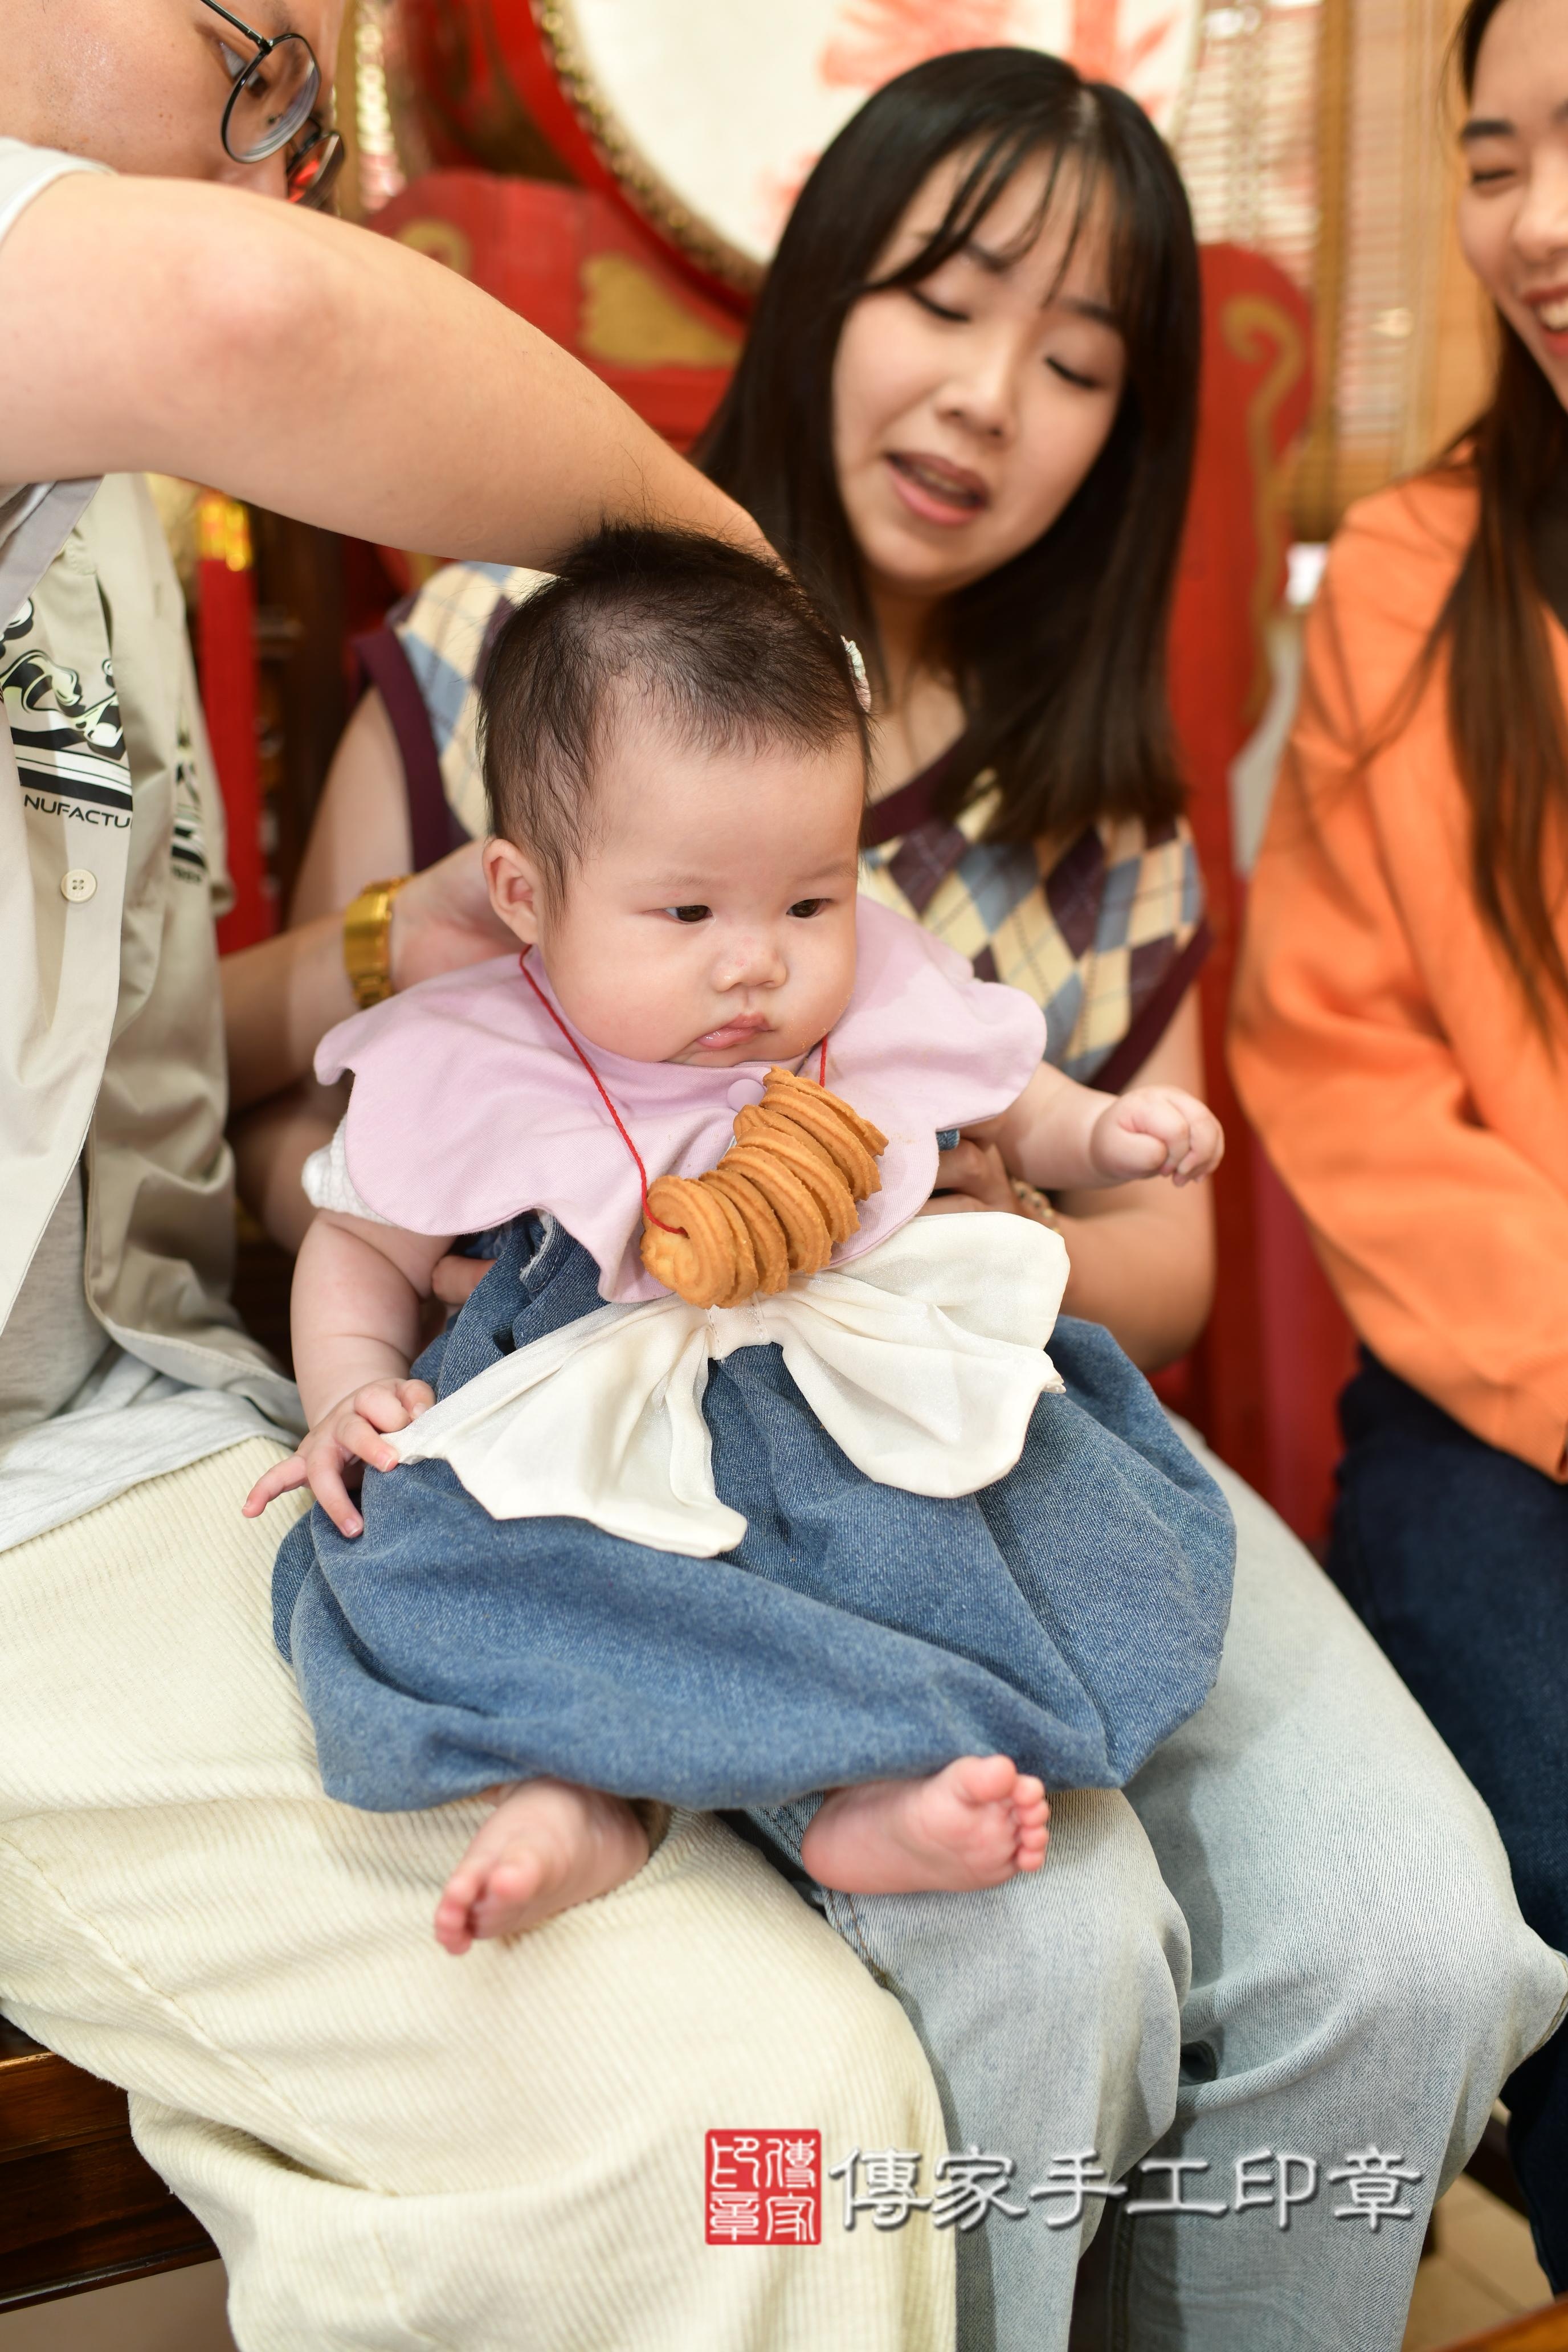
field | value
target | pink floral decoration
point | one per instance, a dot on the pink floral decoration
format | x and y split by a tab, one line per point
880	39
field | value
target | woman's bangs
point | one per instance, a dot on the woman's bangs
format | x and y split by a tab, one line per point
1137	258
1133	222
990	174
1078	172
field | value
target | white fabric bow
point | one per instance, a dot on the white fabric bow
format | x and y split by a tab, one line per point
923	1359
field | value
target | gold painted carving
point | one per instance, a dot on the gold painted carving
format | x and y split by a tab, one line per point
629	320
443	241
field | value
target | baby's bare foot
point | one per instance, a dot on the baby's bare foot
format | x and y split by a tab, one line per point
977	1823
548	1845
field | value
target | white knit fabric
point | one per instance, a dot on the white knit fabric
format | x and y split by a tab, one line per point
396	2152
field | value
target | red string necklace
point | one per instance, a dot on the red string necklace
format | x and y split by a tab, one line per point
609	1105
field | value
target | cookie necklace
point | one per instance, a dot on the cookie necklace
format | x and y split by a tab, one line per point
778	1202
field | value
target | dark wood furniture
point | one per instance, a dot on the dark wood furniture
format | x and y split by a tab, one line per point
80	2207
1545	2330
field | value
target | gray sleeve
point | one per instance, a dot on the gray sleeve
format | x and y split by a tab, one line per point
35	518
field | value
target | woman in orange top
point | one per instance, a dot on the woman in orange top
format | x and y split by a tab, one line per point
1401	1032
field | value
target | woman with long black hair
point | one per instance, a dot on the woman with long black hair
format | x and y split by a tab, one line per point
1403	1020
1289	1948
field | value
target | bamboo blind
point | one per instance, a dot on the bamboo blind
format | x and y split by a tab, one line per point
1322	134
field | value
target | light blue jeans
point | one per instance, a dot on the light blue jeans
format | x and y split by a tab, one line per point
1295	1934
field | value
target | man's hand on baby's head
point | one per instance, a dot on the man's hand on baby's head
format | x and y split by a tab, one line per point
1156	1131
331	1454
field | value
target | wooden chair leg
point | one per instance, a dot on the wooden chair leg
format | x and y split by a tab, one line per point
80	2205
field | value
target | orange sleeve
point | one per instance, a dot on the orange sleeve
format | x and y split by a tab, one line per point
1447	1247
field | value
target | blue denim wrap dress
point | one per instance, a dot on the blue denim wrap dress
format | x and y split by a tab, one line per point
1068	1615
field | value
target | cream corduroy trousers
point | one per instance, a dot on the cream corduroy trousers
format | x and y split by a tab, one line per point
392	2148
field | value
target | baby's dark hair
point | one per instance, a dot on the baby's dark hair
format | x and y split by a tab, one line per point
723	646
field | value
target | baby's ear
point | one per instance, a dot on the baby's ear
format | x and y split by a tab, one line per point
513	882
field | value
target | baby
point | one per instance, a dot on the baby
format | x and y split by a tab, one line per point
676	758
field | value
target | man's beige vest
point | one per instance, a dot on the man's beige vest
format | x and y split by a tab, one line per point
110	1016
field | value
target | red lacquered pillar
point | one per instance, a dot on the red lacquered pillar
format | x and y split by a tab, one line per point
227	657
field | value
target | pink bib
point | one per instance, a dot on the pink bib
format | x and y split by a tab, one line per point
469	1106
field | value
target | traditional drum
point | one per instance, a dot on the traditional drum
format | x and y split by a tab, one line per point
705	116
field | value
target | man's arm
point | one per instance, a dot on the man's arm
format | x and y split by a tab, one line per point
317	370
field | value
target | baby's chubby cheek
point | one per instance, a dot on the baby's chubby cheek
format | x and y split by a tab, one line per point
628	1006
659	997
825	995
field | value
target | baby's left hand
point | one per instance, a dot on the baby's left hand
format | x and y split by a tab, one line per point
1156	1131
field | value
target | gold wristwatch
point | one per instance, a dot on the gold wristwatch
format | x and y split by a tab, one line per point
367	941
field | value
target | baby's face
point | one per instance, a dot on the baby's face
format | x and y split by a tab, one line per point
713	919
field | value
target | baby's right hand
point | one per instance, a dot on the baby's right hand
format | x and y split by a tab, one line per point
350	1434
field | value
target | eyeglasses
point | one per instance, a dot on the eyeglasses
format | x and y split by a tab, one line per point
272	107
